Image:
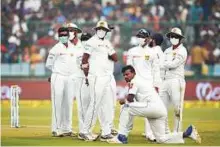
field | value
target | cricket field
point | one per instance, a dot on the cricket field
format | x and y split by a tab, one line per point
35	120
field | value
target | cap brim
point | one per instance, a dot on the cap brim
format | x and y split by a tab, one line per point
141	36
168	35
107	29
76	29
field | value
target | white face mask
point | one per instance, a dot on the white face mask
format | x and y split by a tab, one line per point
101	33
174	41
141	41
72	35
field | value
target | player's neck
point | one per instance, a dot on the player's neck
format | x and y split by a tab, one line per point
176	46
74	41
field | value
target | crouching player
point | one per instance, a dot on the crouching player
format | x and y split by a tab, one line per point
143	101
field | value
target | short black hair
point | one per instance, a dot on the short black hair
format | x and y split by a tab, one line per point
128	67
63	29
158	38
85	36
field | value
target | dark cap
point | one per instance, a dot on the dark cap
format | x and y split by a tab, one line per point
158	38
143	33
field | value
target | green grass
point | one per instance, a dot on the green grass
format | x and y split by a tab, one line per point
35	128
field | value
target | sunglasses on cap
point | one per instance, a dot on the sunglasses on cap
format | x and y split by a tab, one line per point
174	36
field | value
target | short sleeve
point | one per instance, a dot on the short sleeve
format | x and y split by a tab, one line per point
88	48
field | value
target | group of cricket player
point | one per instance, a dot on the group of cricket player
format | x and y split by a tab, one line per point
83	69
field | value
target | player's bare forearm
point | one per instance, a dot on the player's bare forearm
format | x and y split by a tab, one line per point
85	64
113	57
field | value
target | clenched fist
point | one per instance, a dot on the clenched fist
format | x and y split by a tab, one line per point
122	101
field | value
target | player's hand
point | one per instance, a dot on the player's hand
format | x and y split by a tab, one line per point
87	82
157	89
49	79
122	101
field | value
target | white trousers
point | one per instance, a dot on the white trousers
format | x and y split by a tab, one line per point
108	107
83	100
172	92
156	114
100	95
62	95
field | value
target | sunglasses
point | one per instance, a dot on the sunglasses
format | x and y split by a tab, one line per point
174	36
60	35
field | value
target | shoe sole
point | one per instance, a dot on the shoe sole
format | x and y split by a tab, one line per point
80	138
104	139
88	140
113	142
198	138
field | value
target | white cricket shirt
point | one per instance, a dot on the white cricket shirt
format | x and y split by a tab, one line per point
146	64
174	62
99	50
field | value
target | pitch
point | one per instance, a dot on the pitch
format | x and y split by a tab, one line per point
35	120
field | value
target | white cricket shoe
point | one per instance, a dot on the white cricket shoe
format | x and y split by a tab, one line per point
114	140
106	137
119	139
88	137
194	135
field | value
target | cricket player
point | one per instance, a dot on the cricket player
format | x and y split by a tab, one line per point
112	89
98	71
146	63
156	42
173	87
61	61
81	91
143	101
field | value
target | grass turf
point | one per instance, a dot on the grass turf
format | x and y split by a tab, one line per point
35	127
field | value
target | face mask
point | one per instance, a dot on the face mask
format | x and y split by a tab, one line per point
101	33
174	41
63	39
141	41
72	35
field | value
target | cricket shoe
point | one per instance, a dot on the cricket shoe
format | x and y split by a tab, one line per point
119	139
72	134
106	137
88	137
57	134
114	132
150	138
192	133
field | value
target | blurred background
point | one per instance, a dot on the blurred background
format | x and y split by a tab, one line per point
28	31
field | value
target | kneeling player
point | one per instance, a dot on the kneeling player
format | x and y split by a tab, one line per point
143	101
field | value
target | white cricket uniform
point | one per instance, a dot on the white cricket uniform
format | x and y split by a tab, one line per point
107	110
160	56
62	62
100	77
149	105
173	87
146	63
80	88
